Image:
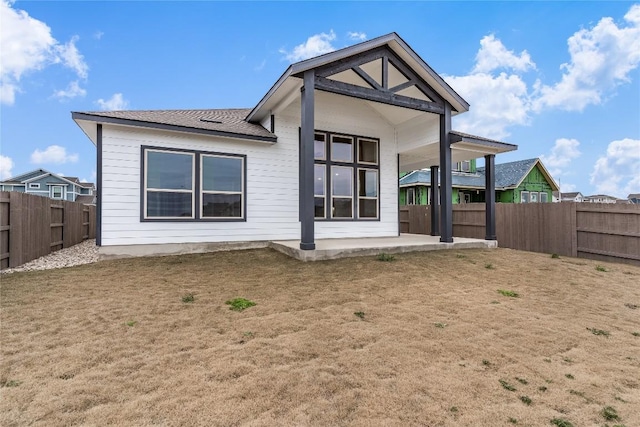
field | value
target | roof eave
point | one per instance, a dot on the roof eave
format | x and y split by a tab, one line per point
297	68
175	128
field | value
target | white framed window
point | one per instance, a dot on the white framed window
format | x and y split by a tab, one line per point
57	191
367	151
367	193
34	185
341	148
319	190
192	185
544	197
524	197
169	183
341	192
411	196
320	146
533	196
222	186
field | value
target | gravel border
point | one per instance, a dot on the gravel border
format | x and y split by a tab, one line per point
82	253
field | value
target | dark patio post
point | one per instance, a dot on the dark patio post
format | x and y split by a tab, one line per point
490	196
307	237
433	200
446	191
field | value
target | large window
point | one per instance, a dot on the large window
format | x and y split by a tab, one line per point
346	177
192	185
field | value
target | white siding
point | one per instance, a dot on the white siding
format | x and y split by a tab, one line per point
272	180
341	114
272	189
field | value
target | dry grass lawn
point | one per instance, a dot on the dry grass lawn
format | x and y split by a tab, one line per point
435	344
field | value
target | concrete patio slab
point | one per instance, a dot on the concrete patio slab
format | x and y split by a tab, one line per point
342	248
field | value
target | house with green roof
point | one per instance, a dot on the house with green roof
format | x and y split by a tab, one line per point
522	181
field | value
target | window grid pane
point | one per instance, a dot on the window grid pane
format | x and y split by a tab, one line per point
222	174
320	146
342	207
342	181
161	204
342	149
367	151
169	171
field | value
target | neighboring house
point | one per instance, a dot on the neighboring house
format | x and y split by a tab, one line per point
44	183
572	197
318	157
634	198
602	198
523	181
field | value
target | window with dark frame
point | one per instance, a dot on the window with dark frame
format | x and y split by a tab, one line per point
192	185
346	177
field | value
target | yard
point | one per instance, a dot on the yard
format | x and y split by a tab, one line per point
425	339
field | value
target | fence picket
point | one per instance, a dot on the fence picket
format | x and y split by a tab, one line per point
32	226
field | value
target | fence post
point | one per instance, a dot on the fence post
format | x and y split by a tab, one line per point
573	228
15	230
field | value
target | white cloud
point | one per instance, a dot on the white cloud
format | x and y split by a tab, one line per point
6	164
355	35
617	173
28	46
116	102
497	102
69	55
567	188
493	55
73	90
562	153
260	66
315	45
53	154
601	59
98	35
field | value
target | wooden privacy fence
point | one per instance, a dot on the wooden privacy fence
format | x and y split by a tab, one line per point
608	232
33	226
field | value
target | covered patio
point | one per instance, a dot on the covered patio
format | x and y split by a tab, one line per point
327	249
385	78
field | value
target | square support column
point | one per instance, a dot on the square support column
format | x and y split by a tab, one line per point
433	201
490	196
307	212
446	191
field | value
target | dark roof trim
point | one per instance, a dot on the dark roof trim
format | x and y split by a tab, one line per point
175	128
307	64
456	136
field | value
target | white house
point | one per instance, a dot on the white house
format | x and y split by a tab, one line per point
317	158
572	197
602	198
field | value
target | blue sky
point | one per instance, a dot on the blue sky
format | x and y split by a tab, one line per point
560	79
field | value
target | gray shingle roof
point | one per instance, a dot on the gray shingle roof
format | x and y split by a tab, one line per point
86	199
231	121
508	175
